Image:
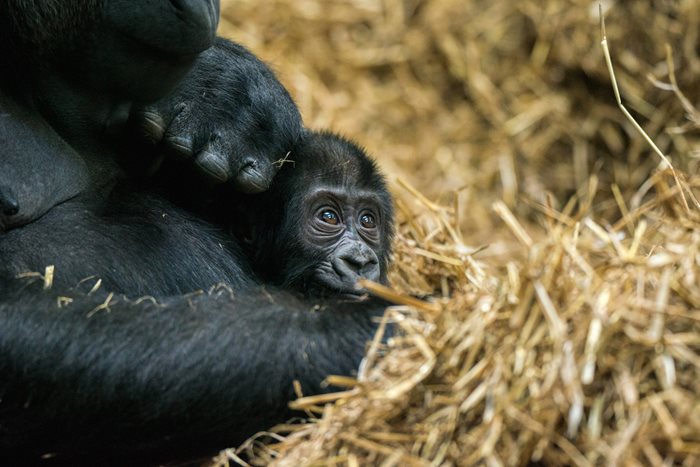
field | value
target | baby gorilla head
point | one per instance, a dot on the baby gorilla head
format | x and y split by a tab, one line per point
326	221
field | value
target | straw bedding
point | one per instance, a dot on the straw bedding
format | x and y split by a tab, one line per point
547	266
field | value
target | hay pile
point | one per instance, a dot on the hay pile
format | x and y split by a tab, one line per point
585	353
562	261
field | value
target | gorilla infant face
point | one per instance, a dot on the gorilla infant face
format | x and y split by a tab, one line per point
326	221
342	230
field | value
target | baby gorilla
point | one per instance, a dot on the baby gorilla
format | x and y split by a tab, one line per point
326	221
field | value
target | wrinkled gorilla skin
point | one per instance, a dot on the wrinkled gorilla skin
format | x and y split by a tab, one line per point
103	379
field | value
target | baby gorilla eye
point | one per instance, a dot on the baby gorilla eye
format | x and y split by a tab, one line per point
329	217
367	221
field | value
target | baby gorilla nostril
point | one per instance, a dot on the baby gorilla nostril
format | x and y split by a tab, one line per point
353	266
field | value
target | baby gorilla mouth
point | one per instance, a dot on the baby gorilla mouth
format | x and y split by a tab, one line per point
330	281
343	272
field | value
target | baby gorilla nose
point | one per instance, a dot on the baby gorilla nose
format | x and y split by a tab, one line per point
253	176
353	265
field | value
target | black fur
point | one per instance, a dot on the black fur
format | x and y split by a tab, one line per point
229	115
102	378
136	243
164	250
111	380
141	382
114	86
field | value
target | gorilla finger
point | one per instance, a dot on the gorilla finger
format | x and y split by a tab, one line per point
213	161
254	175
148	125
181	147
182	134
222	161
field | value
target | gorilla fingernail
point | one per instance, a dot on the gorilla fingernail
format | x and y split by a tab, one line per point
180	146
213	165
153	126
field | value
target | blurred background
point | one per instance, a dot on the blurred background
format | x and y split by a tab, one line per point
467	103
488	99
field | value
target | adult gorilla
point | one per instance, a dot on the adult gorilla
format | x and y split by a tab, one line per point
90	375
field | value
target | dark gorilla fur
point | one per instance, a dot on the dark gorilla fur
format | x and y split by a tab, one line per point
143	382
273	243
126	85
87	377
136	243
119	380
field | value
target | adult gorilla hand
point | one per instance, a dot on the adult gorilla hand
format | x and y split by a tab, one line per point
229	115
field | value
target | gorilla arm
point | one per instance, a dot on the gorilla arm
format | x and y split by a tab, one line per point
182	377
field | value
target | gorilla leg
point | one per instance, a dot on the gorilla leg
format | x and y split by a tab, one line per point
73	64
81	64
128	49
103	376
